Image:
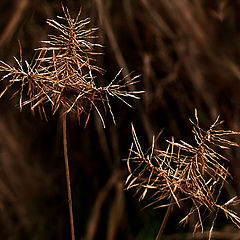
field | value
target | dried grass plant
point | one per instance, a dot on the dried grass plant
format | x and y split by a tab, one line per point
185	174
62	74
188	52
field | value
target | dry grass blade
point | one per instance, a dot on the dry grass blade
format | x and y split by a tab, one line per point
185	172
62	73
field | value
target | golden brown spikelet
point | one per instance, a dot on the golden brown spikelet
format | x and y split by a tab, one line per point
185	173
63	72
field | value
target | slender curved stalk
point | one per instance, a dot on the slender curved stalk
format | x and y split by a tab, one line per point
164	222
68	175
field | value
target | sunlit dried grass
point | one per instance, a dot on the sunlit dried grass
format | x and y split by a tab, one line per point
185	173
158	39
63	73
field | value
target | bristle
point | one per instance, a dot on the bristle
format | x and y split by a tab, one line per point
61	73
185	172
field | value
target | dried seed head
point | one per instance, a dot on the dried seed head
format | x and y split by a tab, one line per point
62	73
185	173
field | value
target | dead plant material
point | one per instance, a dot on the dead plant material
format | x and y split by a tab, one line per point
63	73
14	22
186	173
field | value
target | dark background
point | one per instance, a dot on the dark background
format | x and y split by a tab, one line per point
189	56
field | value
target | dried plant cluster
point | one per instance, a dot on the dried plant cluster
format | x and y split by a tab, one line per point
63	72
184	173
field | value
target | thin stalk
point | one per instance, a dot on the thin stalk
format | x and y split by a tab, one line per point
164	222
68	175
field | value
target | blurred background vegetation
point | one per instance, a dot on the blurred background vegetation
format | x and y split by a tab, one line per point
189	56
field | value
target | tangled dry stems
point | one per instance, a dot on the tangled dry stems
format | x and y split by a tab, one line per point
63	72
185	173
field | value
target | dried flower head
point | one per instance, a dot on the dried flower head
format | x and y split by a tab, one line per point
63	72
185	173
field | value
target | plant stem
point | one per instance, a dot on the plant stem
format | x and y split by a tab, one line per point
164	222
68	175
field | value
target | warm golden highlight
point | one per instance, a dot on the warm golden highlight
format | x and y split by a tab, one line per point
63	73
184	172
